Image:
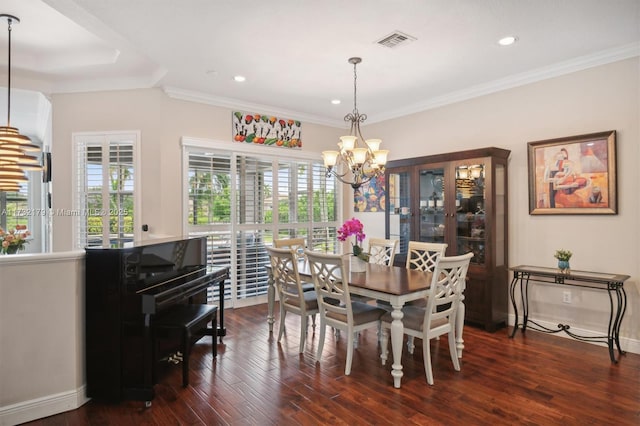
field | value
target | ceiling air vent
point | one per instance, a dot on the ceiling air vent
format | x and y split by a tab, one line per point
395	39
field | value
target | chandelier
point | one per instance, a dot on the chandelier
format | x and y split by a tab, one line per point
15	148
358	160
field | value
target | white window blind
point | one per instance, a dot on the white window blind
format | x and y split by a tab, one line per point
267	198
105	189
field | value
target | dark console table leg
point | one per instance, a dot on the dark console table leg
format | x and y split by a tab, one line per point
512	295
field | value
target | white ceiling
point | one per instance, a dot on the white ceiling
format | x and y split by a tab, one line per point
294	52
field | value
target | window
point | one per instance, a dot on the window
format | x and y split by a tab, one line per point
243	200
12	204
106	202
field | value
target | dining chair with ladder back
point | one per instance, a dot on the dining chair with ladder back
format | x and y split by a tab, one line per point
329	272
439	316
284	268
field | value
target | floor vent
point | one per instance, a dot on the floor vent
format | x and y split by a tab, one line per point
395	39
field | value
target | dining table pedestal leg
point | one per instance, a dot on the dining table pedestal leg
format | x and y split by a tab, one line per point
397	334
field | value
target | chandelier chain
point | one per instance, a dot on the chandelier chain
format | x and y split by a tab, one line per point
9	20
355	89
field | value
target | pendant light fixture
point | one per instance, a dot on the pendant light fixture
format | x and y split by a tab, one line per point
358	160
15	149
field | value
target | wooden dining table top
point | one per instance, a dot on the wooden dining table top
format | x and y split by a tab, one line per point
393	280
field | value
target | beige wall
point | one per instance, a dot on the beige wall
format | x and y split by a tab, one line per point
598	99
594	100
41	335
162	121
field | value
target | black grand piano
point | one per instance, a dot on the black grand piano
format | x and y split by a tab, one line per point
125	290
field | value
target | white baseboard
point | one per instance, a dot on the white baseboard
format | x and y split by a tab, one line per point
27	411
628	345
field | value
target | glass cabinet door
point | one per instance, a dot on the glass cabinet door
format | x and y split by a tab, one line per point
432	217
470	210
399	193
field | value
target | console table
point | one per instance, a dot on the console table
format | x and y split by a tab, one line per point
613	284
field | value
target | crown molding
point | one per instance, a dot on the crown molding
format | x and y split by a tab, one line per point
237	105
561	68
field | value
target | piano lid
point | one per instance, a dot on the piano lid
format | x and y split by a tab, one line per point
154	262
132	244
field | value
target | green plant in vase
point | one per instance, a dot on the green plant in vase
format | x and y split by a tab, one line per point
563	257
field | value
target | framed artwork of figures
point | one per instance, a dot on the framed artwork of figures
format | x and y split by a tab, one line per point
573	175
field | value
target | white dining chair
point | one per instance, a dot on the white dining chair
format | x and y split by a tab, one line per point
298	245
423	255
328	272
439	315
382	251
284	267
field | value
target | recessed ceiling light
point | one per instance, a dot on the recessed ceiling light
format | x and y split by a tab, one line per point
335	101
239	78
507	41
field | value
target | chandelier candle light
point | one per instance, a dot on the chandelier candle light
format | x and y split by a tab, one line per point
14	147
355	164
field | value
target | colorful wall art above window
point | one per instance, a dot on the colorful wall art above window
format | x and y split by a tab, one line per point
266	130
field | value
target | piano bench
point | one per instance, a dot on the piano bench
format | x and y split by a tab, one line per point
191	321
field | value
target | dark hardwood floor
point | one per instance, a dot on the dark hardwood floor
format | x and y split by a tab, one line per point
534	379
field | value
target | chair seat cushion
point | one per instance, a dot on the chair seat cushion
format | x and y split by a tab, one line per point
362	313
413	318
310	301
306	286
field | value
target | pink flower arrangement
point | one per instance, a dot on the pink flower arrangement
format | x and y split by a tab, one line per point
353	227
14	239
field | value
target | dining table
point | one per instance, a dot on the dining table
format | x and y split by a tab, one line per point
393	284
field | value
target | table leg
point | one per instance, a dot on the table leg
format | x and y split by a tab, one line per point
397	334
622	307
459	327
512	296
271	295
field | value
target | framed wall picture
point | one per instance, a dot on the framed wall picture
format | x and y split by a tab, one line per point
371	196
267	130
573	175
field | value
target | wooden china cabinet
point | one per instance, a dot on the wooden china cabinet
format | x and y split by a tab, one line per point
460	199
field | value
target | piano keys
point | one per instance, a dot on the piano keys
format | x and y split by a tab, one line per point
125	289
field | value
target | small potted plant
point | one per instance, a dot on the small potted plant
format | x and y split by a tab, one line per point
563	257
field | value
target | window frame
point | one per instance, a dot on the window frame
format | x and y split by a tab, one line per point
104	138
275	156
